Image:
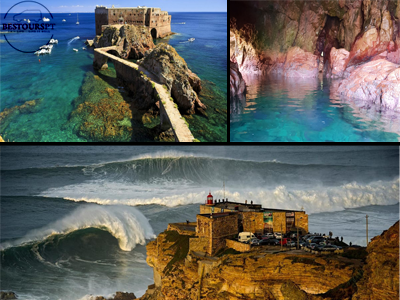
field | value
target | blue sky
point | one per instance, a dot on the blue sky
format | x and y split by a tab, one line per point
58	6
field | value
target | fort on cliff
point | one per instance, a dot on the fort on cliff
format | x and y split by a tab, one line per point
158	22
219	222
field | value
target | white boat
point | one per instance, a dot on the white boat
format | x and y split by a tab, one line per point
76	50
25	20
191	39
46	19
53	41
48	47
83	48
77	16
28	21
43	51
64	20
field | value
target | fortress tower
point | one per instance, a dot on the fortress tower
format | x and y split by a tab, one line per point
158	22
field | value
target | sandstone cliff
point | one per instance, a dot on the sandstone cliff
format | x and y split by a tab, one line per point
260	274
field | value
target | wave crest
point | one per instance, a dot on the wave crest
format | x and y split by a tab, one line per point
128	225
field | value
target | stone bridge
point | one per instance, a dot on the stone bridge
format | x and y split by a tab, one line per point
147	89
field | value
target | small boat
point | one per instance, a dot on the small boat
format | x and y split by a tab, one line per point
191	39
48	47
76	50
43	51
28	21
77	16
64	20
25	20
53	41
83	48
46	19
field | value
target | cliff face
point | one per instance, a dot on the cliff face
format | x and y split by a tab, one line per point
259	274
381	273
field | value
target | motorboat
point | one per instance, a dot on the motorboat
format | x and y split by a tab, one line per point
77	16
28	21
53	41
64	20
76	50
46	19
43	51
48	47
83	48
25	20
191	39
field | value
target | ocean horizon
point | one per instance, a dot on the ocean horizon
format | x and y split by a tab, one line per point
58	79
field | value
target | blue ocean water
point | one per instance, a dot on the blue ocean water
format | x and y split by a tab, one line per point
278	109
57	78
75	220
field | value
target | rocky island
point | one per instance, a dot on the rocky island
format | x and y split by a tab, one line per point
356	42
157	83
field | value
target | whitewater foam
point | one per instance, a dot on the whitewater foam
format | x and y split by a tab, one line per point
318	199
128	225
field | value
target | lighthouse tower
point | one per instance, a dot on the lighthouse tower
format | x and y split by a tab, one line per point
209	199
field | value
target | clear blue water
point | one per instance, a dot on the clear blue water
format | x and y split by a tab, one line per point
278	109
74	220
58	77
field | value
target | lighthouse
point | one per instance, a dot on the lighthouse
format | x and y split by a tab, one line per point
209	199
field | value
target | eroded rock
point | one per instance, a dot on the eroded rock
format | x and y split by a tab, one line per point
237	83
171	70
337	63
377	81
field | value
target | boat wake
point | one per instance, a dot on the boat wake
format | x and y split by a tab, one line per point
74	39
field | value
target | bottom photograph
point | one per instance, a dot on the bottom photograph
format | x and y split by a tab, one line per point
199	222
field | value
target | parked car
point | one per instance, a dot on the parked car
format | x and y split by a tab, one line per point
245	237
291	244
254	241
271	242
325	248
312	246
284	241
317	239
278	235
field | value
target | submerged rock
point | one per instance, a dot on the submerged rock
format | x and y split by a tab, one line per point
131	41
8	295
377	81
171	70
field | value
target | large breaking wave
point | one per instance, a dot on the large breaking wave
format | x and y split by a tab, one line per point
126	224
313	200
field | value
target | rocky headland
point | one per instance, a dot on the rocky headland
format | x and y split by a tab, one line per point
358	273
342	39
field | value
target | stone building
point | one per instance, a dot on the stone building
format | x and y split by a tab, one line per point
215	228
259	220
158	22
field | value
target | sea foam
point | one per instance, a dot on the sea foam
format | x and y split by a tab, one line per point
128	225
314	200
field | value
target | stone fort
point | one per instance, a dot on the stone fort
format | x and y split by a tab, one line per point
158	22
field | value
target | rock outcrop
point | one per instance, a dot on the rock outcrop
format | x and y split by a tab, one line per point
337	63
377	81
172	71
183	274
381	272
237	83
131	41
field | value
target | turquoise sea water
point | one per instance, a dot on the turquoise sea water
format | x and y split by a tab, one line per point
57	78
278	109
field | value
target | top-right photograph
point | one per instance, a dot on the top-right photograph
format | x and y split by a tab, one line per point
315	71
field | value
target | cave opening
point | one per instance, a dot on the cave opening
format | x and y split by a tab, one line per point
328	38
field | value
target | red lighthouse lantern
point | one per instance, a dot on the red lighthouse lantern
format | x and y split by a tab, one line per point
209	199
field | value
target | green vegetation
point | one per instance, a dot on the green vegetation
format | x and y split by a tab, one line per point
153	85
181	246
196	141
165	87
176	105
163	102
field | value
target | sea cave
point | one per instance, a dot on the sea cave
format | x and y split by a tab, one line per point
315	71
